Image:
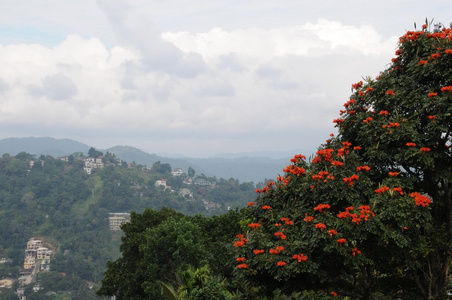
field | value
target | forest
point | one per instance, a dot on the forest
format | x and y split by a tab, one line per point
55	200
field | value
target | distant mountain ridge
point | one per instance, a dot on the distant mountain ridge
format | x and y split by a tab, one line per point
42	146
245	169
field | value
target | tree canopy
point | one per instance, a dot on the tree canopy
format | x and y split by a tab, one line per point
370	214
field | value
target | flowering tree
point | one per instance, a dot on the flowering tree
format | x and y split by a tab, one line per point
370	214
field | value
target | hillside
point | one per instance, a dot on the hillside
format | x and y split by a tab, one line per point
59	202
244	167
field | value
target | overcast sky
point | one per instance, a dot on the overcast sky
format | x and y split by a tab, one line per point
196	78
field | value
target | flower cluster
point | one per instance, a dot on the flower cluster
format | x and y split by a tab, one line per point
281	263
295	170
322	207
297	158
258	251
276	250
323	154
351	180
281	235
421	200
241	242
355	251
341	241
332	232
364	214
287	221
300	257
424	150
254	226
382	190
398	190
363	168
308	218
320	226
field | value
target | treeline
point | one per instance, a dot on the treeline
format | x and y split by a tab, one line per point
57	201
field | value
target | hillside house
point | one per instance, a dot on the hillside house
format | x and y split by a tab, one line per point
186	193
202	182
177	172
93	163
29	263
6	283
44	253
115	220
33	244
161	182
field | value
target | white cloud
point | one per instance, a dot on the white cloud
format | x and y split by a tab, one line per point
243	89
311	39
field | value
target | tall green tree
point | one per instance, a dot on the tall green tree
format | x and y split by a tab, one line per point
370	214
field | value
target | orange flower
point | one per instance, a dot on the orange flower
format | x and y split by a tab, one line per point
320	226
350	180
281	235
251	204
431	95
279	248
447	89
421	200
382	190
363	168
337	163
448	51
241	242
399	190
258	251
393	174
300	257
242	266
287	221
334	294
390	92
431	117
358	85
254	226
422	62
355	251
341	241
266	207
308	218
411	144
321	207
338	121
240	259
424	150
357	148
435	55
367	120
280	264
332	232
383	113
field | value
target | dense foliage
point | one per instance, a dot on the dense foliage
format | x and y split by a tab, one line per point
161	248
370	215
56	201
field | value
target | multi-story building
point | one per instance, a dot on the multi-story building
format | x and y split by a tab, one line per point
115	220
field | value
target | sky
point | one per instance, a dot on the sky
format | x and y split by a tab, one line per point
194	78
